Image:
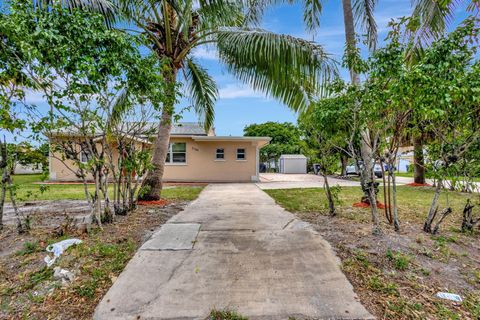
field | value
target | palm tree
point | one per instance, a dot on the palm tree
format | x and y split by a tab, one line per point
287	68
359	14
431	18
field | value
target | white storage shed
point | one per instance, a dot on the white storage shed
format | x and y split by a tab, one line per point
293	163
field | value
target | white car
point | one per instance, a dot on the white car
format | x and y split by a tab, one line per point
352	170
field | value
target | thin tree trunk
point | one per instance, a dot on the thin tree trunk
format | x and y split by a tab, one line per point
152	185
388	205
20	227
396	222
418	160
385	192
2	199
331	203
427	227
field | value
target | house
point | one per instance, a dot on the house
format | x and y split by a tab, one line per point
195	155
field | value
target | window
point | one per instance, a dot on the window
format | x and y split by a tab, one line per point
220	154
241	154
84	156
177	153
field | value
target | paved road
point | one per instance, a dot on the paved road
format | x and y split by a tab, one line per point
233	248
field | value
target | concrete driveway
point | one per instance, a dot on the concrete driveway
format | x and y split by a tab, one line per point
290	181
233	248
293	181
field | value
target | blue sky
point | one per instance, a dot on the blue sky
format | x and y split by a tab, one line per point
239	105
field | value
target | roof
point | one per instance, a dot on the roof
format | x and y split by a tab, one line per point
188	128
293	156
147	129
262	141
182	129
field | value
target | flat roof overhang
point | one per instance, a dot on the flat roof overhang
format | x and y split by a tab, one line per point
259	141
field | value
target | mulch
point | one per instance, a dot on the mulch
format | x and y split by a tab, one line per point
161	203
414	184
367	205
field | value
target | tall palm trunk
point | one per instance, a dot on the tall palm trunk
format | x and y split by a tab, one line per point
418	161
152	185
365	149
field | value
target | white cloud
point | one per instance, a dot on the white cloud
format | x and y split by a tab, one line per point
205	53
234	91
34	97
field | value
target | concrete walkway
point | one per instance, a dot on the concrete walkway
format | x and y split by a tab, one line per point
233	248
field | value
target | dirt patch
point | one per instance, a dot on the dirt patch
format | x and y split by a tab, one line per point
398	274
28	289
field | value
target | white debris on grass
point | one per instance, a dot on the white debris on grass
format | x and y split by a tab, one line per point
63	274
58	248
449	296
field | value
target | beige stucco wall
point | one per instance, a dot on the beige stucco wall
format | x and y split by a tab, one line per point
201	165
62	169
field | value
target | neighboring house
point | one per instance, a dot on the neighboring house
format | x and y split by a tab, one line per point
194	156
404	158
27	169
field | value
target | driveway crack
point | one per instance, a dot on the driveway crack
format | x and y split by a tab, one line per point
288	223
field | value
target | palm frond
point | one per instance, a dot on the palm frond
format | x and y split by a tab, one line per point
287	68
203	92
365	19
311	13
312	10
120	106
428	22
214	13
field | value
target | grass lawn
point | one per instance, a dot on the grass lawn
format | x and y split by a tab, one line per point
29	188
413	202
397	275
410	175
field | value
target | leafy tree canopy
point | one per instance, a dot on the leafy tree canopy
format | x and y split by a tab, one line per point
285	138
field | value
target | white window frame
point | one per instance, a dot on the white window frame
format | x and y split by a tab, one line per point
244	154
218	153
170	154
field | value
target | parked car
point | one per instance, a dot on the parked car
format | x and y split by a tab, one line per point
352	170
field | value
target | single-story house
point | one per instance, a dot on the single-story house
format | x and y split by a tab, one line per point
195	155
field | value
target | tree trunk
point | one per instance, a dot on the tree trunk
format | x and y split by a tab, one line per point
427	226
152	185
366	151
331	203
396	222
344	160
3	195
350	34
418	161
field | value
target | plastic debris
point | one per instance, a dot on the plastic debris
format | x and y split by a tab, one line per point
449	296
64	275
58	248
